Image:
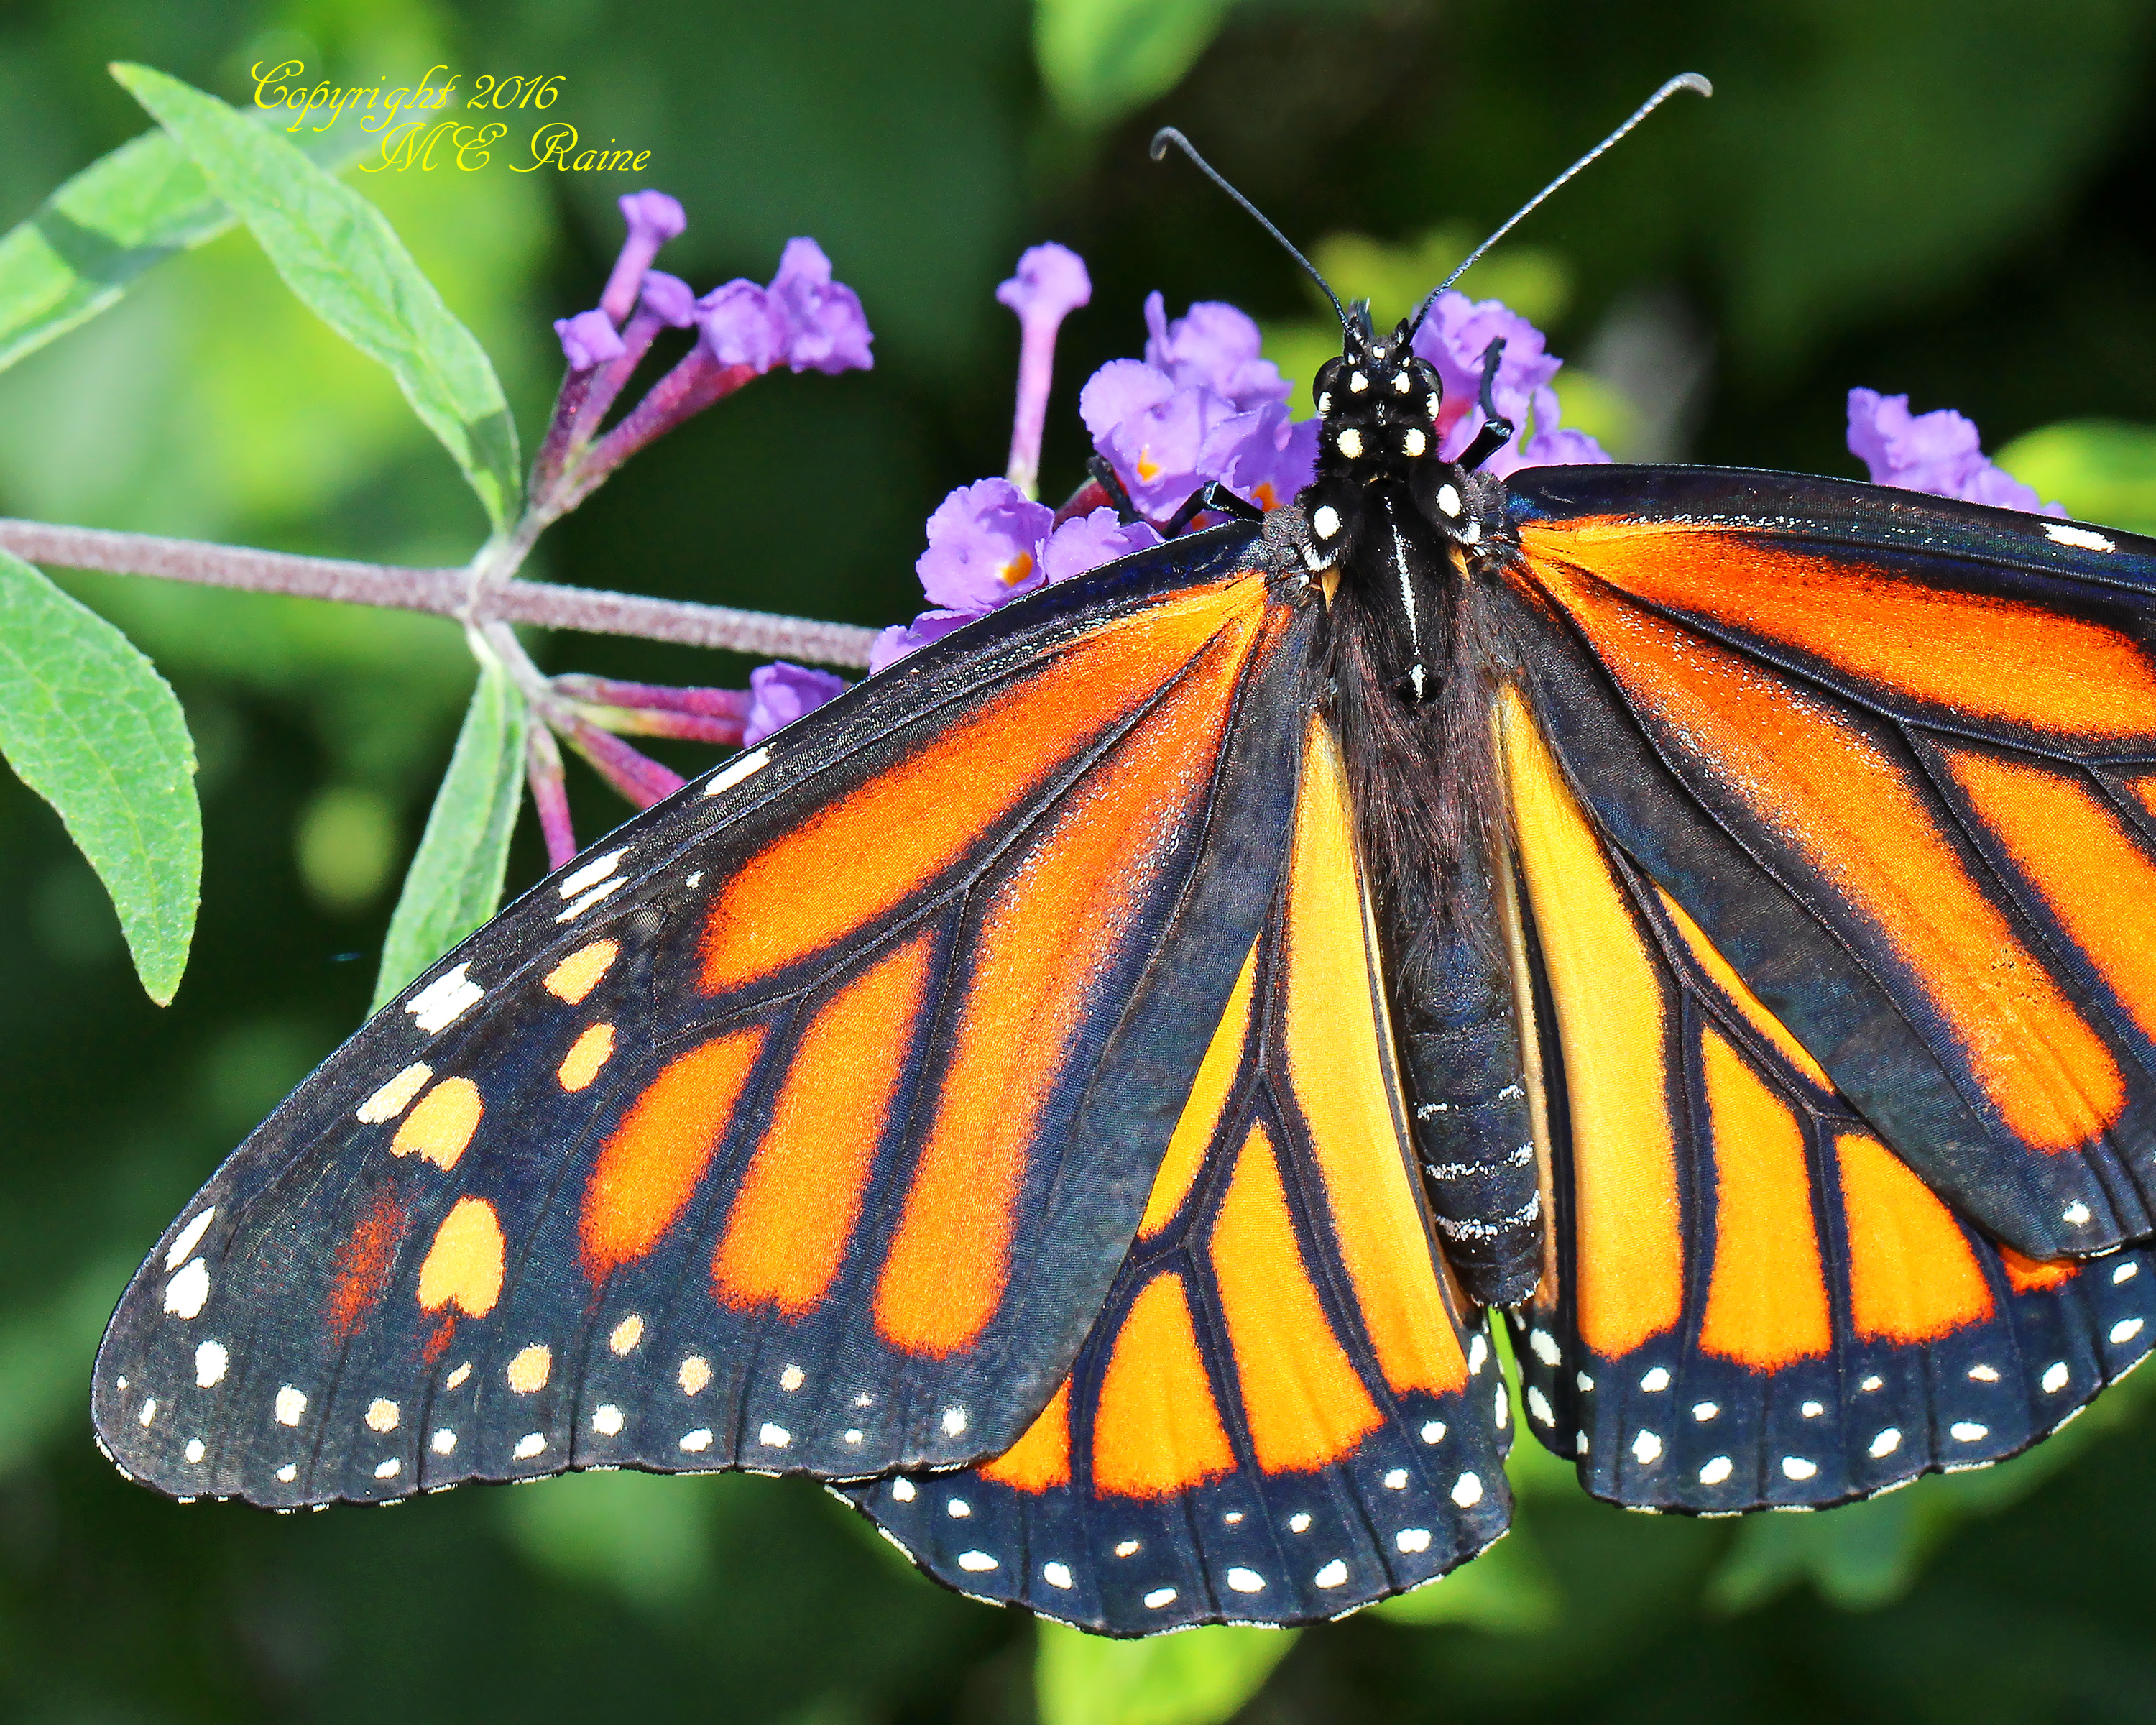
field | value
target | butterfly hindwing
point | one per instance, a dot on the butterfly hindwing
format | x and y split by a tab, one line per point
1750	1300
1285	1410
771	1135
1890	751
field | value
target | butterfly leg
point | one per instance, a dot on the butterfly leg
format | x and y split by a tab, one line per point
1496	431
1461	1046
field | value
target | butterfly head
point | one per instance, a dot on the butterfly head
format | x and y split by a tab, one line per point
1378	407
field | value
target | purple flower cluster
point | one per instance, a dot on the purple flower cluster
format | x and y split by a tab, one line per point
1454	338
1939	453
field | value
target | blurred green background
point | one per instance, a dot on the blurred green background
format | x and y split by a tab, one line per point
1947	199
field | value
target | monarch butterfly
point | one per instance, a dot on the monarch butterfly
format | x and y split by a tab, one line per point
1083	1091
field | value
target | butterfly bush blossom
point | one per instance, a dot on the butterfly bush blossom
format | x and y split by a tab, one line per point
1939	453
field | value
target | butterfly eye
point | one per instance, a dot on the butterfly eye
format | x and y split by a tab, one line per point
1321	387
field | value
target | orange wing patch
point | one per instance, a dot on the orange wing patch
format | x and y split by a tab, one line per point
1766	1298
914	820
800	1196
2030	1276
1155	1428
1047	935
648	1169
1612	1017
1200	1122
359	1274
466	1263
1305	1405
441	1127
1912	1274
2018	664
1824	787
2081	860
1339	1048
1041	1461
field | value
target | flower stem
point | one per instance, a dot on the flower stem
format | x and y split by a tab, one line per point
440	593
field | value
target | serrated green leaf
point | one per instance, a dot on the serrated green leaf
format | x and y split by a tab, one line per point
336	251
91	727
455	882
129	210
1101	58
1198	1678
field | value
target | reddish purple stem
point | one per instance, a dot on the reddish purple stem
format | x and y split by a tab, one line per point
550	794
635	775
607	691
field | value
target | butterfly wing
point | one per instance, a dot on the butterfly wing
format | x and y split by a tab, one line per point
1910	747
802	1127
1285	1410
1793	984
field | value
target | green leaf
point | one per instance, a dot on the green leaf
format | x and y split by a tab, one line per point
1101	58
91	728
127	211
336	251
1506	1590
2102	470
455	882
1196	1678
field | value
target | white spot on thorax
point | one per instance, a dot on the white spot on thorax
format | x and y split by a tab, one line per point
185	1293
1413	442
1325	520
1402	384
1351	443
734	772
188	1239
289	1405
1333	1574
592	872
2061	534
211	1359
1356	383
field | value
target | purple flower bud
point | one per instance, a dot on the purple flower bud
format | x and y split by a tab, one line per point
653	218
895	643
1087	542
739	326
1215	347
1264	455
780	693
588	339
1152	433
1052	283
1940	453
1560	446
984	544
668	299
824	330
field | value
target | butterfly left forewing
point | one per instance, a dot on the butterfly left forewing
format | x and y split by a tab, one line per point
1752	1301
773	1134
1286	1410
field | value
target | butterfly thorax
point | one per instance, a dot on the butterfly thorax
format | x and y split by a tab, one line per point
1415	666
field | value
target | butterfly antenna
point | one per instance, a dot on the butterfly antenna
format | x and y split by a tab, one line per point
1683	80
1168	135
